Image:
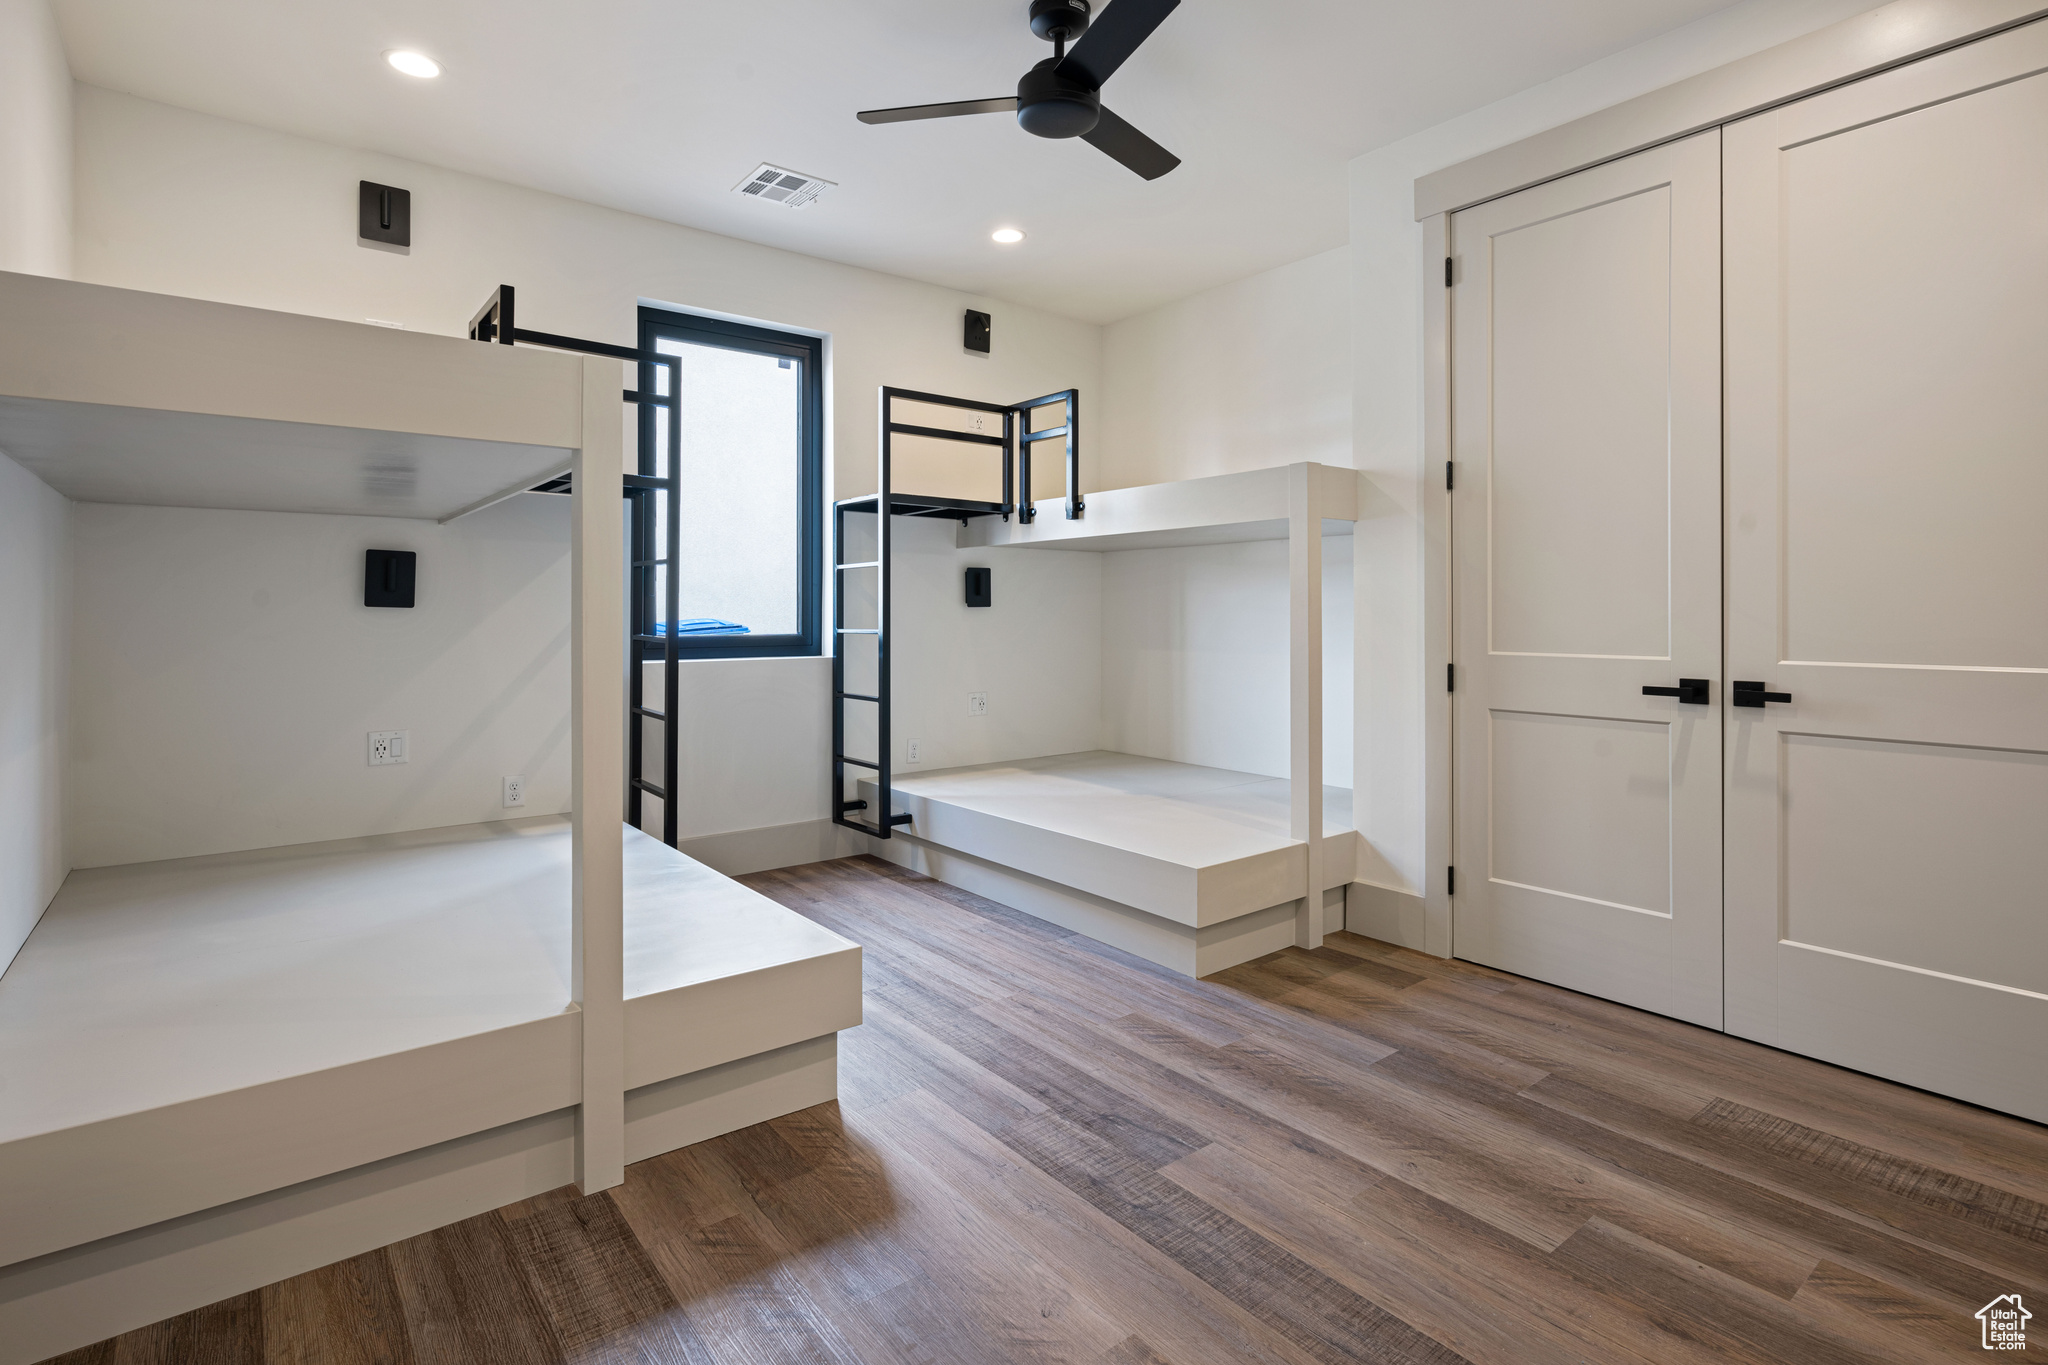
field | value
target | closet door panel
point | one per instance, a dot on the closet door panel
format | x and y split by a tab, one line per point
1888	568
1586	532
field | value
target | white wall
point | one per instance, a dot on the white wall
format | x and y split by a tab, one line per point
1387	275
35	141
1036	652
181	203
35	569
1249	375
1195	657
226	674
1245	376
1179	654
35	237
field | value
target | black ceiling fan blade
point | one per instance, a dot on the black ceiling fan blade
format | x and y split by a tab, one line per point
1006	105
1112	38
1125	143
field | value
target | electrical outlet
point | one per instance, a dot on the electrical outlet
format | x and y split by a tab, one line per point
977	703
515	791
390	746
913	751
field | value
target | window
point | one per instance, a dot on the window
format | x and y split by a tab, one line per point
751	484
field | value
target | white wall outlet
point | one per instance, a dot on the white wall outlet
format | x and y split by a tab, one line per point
913	751
390	746
515	791
977	703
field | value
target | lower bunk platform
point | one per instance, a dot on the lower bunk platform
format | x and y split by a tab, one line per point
1190	867
218	1071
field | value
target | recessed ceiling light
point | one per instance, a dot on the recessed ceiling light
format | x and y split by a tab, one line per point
413	63
1007	236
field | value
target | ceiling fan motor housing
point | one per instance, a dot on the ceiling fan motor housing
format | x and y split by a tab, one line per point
1052	105
1059	20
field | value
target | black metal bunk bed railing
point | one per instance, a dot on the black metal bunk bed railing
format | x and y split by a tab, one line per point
1014	448
653	542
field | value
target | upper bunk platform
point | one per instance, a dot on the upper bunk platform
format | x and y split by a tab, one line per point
1255	504
914	505
177	1035
115	395
1194	845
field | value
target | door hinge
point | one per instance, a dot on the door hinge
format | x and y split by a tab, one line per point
1450	881
1449	278
1450	677
1450	475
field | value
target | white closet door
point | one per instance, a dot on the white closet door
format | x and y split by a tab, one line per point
1888	569
1586	525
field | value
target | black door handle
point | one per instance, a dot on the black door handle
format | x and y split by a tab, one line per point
1690	691
1753	694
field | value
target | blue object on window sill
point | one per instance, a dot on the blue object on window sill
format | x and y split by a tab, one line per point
703	625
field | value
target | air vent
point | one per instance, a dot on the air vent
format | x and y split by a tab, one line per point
791	189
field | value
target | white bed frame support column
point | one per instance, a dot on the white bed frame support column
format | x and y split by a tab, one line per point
597	613
1305	691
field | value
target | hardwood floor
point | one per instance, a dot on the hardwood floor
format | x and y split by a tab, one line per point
1048	1151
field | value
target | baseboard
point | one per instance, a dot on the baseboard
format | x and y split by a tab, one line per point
1388	915
1175	946
73	1298
723	1099
738	852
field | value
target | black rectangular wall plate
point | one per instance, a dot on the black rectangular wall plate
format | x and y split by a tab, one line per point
976	334
980	587
384	214
388	577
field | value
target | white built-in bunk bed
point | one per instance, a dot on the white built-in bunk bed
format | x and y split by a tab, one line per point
222	1070
1195	868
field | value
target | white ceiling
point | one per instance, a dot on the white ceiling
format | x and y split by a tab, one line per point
660	106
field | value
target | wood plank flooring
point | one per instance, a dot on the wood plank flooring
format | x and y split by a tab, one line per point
1048	1151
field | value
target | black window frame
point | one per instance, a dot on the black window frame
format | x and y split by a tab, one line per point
659	323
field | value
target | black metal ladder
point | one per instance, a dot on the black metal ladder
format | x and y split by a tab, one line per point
1014	450
653	542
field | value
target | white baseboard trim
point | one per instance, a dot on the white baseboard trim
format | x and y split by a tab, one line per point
738	852
1177	947
723	1099
1388	915
73	1298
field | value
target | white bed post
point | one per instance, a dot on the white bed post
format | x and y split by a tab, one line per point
1305	690
597	614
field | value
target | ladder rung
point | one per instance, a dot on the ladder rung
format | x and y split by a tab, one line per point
857	762
644	785
864	564
854	696
1046	434
652	715
856	630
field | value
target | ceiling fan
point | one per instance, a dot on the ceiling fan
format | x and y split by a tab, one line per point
1062	95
